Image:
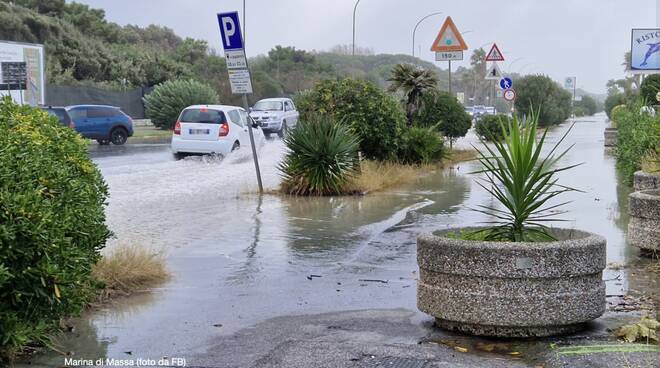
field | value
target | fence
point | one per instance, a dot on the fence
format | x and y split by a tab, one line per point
129	101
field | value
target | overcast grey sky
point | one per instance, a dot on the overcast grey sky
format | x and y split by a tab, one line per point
583	38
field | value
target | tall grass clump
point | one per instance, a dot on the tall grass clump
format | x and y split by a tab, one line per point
322	158
52	226
522	182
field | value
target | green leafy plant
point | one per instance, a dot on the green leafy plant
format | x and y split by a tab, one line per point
540	95
322	158
489	127
649	89
421	146
522	182
164	104
52	225
637	138
374	116
443	111
645	330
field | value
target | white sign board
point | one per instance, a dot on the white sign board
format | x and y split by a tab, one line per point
33	56
460	96
240	81
569	83
494	72
448	55
499	93
645	50
510	94
235	59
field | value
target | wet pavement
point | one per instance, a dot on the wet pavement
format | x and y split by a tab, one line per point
327	282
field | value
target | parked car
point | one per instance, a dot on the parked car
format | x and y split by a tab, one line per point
103	123
61	115
275	115
470	111
212	129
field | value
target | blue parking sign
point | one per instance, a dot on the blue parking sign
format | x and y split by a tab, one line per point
506	83
230	31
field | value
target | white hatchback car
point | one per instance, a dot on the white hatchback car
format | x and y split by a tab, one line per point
212	129
275	115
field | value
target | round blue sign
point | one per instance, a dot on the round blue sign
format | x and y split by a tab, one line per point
506	83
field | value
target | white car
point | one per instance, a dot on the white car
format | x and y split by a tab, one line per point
275	115
212	129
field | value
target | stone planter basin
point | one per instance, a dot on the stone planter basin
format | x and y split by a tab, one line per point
644	225
512	289
645	181
610	135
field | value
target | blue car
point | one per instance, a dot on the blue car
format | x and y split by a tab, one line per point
103	123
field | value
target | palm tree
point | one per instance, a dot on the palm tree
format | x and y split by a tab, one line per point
413	82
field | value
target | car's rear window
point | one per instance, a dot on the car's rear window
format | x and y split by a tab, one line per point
206	116
60	114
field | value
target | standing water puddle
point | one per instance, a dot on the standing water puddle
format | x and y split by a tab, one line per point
238	259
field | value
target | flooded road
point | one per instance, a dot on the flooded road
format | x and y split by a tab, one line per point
239	260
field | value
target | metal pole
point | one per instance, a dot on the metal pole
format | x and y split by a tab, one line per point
450	77
415	29
254	150
573	102
244	27
354	10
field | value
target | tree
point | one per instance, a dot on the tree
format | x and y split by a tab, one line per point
445	113
613	100
539	92
587	104
413	82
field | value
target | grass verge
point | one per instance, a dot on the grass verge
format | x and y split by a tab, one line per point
375	175
129	269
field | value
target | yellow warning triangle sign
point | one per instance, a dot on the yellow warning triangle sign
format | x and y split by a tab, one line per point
449	38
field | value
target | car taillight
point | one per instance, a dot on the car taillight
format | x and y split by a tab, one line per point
177	128
72	125
224	130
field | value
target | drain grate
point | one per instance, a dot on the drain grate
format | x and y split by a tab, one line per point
393	362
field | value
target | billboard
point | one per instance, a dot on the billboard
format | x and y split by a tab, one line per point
22	72
645	50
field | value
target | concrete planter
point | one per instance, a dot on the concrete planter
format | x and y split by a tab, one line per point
644	225
610	137
645	181
512	289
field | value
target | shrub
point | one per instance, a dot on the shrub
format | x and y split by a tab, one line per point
617	113
489	127
613	100
586	106
443	111
649	88
373	115
322	158
164	104
635	139
52	224
541	92
421	145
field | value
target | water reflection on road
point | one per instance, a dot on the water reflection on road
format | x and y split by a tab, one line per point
238	258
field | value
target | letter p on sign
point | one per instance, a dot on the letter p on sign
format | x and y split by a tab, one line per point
230	29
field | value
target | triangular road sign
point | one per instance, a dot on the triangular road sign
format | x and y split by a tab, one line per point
449	38
494	72
494	54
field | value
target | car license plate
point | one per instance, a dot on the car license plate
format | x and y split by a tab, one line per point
198	131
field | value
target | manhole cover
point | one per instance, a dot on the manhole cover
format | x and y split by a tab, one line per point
393	362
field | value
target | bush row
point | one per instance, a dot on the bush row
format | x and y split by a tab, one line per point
638	137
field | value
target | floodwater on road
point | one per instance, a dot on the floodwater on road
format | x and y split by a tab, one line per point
238	258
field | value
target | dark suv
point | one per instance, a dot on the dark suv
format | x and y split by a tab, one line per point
104	123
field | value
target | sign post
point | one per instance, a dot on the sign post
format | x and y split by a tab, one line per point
449	45
238	70
569	84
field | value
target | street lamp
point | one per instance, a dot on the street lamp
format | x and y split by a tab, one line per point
417	25
354	10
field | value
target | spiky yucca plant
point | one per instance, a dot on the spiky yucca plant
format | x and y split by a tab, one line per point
522	182
322	158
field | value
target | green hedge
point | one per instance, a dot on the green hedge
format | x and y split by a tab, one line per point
443	111
373	115
637	137
421	145
489	127
539	93
52	225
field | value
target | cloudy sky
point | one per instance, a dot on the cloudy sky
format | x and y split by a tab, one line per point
582	38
